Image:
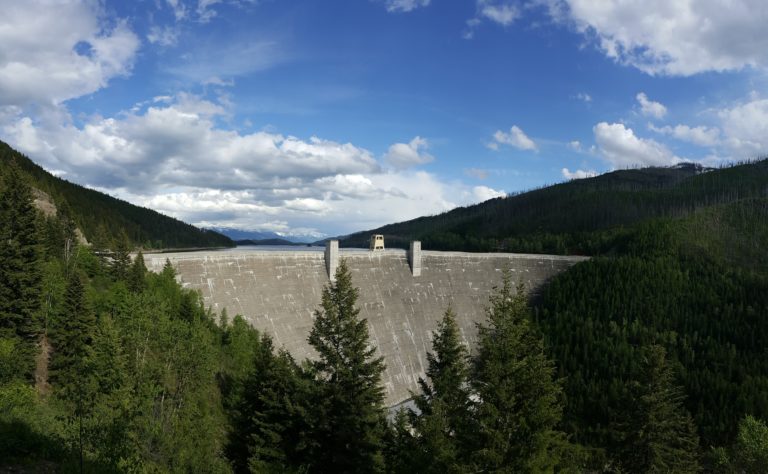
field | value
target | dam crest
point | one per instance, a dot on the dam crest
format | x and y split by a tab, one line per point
403	294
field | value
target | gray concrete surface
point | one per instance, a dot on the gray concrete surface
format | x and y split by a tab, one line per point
278	292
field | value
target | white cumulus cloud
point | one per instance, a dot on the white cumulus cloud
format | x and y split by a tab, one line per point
622	148
746	128
406	155
650	108
701	135
515	138
577	174
681	37
484	193
54	51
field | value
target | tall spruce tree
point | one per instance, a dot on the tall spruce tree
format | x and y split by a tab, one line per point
441	425
20	274
270	422
136	279
121	258
661	434
520	402
73	340
350	417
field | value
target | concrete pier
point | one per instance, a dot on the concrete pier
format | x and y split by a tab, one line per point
331	258
414	258
403	294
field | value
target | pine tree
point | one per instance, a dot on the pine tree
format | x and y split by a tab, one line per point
72	339
270	422
662	436
401	453
20	275
121	258
443	403
350	420
168	271
520	402
136	278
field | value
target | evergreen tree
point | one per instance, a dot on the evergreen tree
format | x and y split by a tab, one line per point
20	275
661	434
443	403
401	453
189	306
168	271
73	339
121	258
270	424
136	279
350	416
520	402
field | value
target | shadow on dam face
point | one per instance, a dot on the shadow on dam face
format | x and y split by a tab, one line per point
403	295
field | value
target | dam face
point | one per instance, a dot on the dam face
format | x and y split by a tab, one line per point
403	295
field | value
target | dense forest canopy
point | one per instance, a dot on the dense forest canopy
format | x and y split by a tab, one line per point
103	219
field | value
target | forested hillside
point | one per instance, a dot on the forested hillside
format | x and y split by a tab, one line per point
580	216
103	219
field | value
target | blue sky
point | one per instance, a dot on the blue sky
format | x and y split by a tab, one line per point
326	117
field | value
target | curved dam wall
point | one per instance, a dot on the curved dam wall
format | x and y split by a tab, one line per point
402	294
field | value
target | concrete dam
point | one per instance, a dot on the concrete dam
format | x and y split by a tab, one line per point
403	294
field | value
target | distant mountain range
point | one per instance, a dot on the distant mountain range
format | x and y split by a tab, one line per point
240	235
281	242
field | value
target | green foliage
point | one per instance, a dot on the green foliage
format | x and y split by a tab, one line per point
712	321
519	399
751	450
13	361
442	424
20	277
349	398
121	259
659	435
271	422
401	452
749	453
72	339
28	428
136	277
